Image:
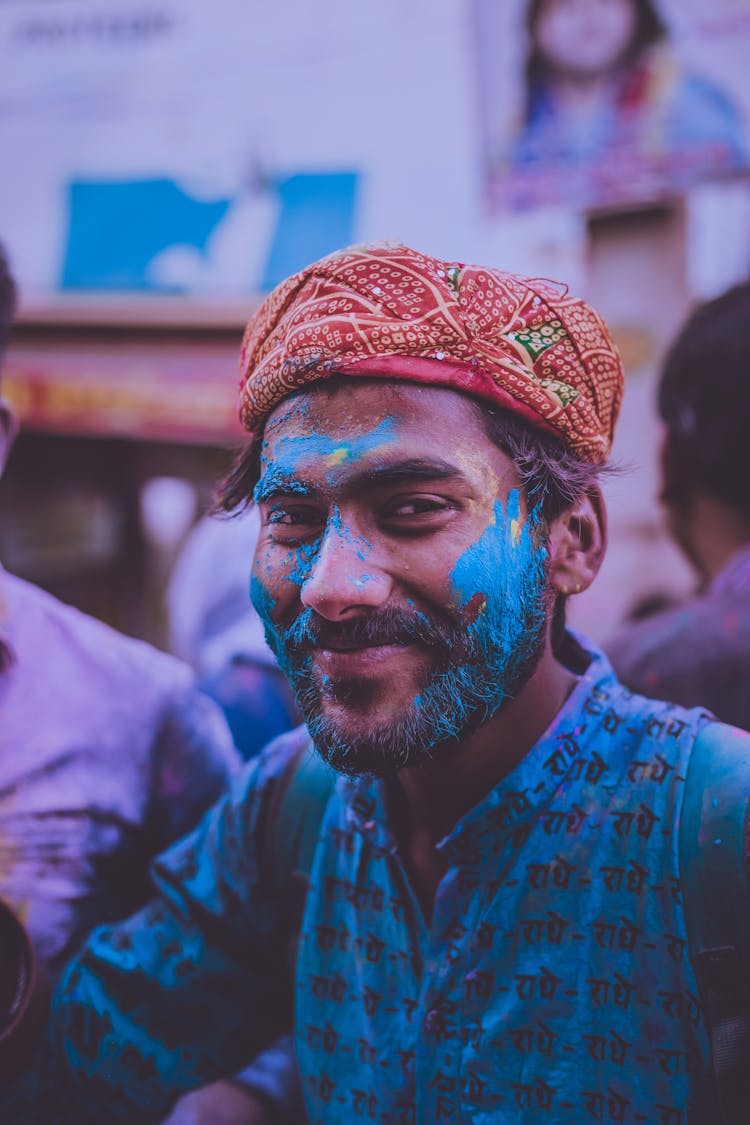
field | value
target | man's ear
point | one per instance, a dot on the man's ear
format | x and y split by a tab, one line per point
8	431
577	543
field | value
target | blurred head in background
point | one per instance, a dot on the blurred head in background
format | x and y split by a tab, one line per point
587	39
704	402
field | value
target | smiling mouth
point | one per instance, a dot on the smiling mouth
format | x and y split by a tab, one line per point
345	646
361	659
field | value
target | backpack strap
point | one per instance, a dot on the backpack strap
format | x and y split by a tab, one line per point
292	829
714	848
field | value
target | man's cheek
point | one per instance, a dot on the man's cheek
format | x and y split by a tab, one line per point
262	597
299	561
489	580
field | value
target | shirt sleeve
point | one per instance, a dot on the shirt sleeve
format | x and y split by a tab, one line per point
186	991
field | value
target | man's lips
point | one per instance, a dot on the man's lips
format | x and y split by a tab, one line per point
342	645
357	661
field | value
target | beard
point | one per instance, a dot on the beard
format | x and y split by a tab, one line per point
476	667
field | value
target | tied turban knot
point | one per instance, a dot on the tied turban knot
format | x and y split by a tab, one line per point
386	311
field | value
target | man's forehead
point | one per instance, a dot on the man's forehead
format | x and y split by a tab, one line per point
354	406
377	431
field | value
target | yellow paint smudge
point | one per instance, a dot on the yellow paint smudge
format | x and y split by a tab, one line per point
336	456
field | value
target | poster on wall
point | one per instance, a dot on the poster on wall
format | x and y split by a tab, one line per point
599	104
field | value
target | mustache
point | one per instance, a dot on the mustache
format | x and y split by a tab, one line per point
388	627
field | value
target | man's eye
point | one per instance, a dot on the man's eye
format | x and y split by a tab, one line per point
293	518
414	507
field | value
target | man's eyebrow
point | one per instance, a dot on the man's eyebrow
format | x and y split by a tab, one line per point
276	483
416	468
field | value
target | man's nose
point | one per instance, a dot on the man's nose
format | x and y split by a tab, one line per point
344	577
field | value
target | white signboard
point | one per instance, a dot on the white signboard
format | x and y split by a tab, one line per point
211	147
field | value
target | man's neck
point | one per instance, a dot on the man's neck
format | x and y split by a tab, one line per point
432	797
425	802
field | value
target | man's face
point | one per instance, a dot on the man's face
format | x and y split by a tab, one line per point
399	575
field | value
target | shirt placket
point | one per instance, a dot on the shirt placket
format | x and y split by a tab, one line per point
447	942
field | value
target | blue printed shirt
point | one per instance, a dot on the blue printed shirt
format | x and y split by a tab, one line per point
552	981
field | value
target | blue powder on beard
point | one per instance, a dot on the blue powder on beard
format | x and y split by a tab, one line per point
485	578
498	585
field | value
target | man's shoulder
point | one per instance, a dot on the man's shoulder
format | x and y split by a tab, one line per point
694	632
294	775
42	624
725	748
697	652
285	756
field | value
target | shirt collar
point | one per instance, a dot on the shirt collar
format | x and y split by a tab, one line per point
735	575
521	796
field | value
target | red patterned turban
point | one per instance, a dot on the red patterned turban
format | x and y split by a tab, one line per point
385	311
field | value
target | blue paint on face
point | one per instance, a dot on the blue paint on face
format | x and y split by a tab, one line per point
303	558
498	586
487	579
291	452
264	605
280	475
274	479
485	641
485	644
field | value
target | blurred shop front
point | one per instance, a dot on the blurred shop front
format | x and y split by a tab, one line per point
128	419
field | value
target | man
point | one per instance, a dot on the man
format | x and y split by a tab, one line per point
108	753
699	651
493	928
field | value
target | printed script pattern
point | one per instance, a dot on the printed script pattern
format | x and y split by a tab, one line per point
552	984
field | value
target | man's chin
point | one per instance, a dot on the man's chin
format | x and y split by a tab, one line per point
353	740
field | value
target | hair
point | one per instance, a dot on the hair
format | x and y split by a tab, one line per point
552	476
7	300
704	400
649	29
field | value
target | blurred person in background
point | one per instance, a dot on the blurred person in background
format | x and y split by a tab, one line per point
699	651
108	753
605	96
213	626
